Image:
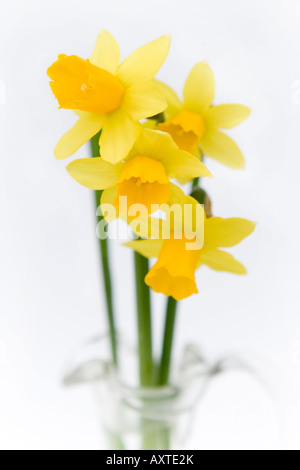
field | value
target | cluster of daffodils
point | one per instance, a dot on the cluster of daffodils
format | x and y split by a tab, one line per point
150	141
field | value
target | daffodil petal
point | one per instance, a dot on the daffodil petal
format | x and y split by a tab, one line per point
174	103
199	90
108	210
155	144
174	211
149	124
85	128
220	147
227	232
197	153
226	116
146	248
143	101
108	196
160	146
94	173
174	272
143	64
180	164
187	215
179	206
118	136
80	113
162	282
110	213
221	261
160	229
177	196
106	54
149	227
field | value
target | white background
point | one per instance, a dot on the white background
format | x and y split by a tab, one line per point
50	300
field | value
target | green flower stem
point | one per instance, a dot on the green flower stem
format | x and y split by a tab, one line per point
195	183
164	369
165	364
104	250
144	320
159	118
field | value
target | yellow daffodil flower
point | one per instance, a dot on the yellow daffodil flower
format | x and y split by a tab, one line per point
194	123
143	177
174	272
108	96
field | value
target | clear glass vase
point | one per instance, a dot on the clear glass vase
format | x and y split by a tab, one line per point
134	418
